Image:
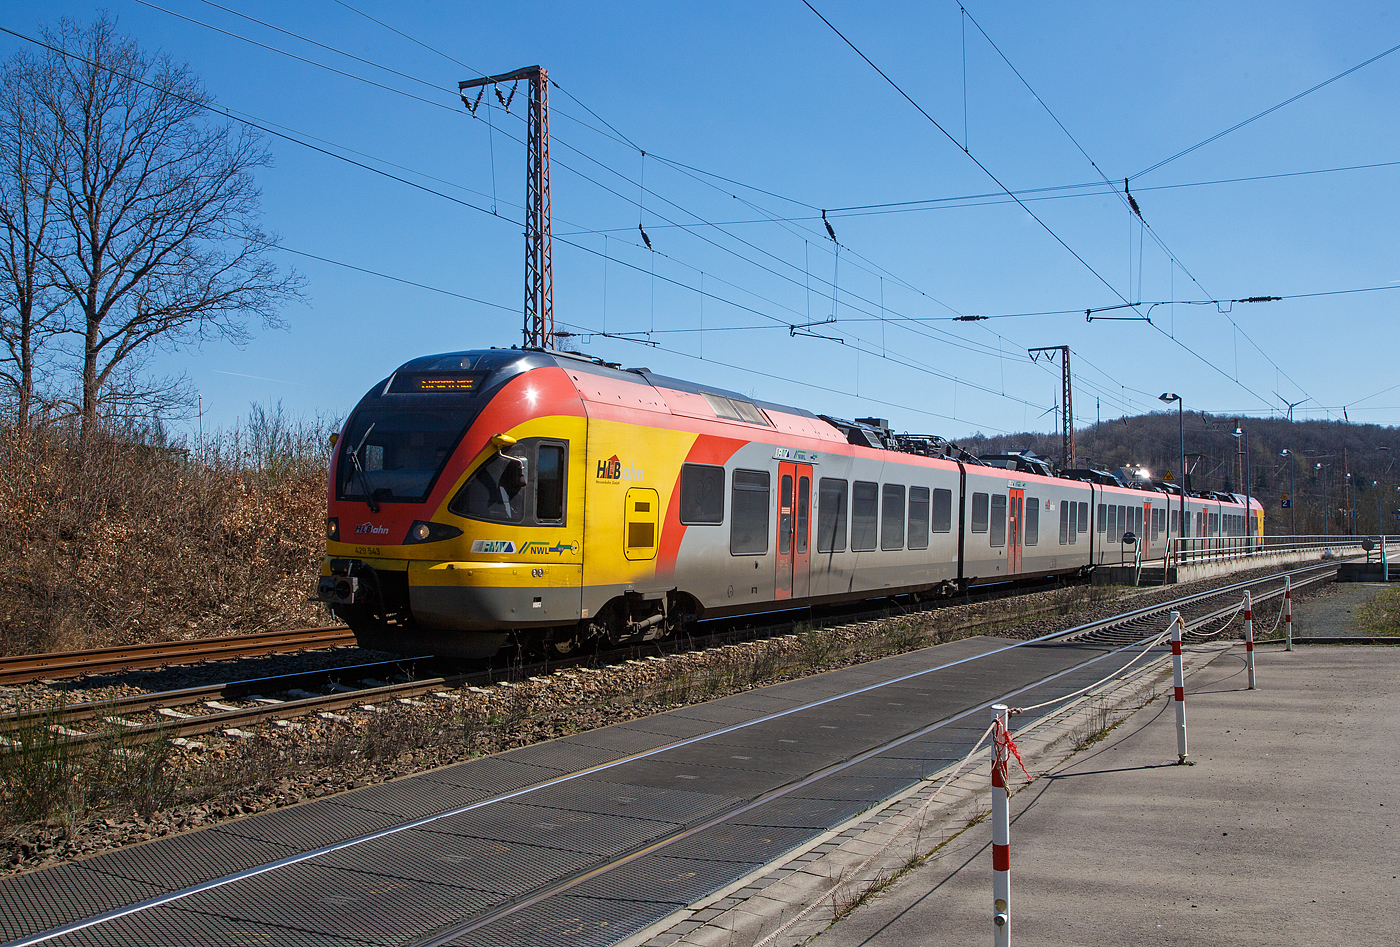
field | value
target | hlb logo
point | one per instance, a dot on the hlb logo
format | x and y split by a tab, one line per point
612	469
371	529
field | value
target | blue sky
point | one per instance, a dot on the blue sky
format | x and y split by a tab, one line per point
768	97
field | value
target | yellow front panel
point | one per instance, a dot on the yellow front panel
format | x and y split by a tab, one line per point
628	462
471	574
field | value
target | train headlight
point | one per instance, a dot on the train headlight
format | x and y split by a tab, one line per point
332	529
424	532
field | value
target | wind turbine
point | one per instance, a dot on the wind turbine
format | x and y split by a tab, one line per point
1291	404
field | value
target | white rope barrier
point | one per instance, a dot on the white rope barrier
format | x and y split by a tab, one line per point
1083	690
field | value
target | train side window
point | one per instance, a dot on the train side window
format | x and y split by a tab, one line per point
1125	523
748	510
865	516
1175	520
549	485
1073	523
942	511
1084	517
979	512
892	516
804	505
918	517
1064	522
785	514
998	537
1032	521
702	495
1137	521
831	515
1103	517
1113	532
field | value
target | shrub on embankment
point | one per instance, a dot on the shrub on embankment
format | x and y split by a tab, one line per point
126	539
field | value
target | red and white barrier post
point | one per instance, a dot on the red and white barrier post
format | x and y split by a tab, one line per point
1001	829
1249	636
1178	688
1288	612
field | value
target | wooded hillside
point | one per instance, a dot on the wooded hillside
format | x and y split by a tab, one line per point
1368	452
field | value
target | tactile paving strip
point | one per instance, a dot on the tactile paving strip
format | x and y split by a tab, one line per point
670	725
412	798
42	900
165	925
495	773
713	753
623	799
656	877
576	922
186	860
506	868
600	835
914	769
342	903
622	739
308	827
740	844
678	773
817	814
854	787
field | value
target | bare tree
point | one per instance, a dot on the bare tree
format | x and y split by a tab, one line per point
156	239
30	309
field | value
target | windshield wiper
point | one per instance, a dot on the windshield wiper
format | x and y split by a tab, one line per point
364	481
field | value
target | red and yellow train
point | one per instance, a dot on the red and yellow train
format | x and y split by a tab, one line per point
481	496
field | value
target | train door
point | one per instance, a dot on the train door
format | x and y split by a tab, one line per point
1146	532
794	530
1014	519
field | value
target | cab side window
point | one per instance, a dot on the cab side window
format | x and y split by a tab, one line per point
549	485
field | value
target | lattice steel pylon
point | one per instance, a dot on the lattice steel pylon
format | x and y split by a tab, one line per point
539	241
1067	396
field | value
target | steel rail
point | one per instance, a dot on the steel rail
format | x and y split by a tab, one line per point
26	668
230	690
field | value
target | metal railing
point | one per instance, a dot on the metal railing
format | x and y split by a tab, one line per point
1194	550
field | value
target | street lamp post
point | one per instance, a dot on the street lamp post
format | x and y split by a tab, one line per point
1240	434
1292	491
1181	433
1351	507
1326	519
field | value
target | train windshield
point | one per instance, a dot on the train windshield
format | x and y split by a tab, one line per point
394	455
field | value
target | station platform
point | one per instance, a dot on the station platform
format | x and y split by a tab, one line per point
1285	831
589	839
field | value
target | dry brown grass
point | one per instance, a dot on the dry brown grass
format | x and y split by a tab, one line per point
125	540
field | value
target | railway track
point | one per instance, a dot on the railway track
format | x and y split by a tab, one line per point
1197	611
367	688
27	668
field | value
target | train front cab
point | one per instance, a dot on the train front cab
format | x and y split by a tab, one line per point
455	506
